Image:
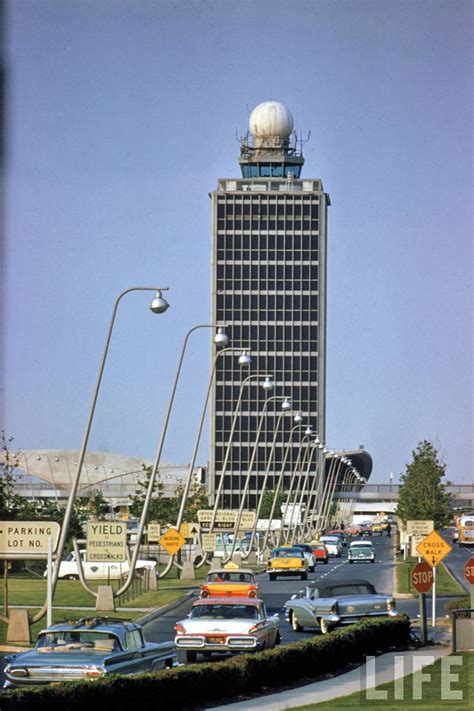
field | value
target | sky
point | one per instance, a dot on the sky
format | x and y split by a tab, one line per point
121	115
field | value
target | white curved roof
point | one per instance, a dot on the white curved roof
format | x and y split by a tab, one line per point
271	119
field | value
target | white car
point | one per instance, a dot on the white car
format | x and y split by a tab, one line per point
222	625
68	570
333	544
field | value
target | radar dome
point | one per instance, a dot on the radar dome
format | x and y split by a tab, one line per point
271	120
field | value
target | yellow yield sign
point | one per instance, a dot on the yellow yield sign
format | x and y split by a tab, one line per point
172	541
433	548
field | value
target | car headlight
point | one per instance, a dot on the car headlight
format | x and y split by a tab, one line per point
333	609
390	604
94	673
17	671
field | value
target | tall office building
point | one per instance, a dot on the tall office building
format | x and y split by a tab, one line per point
269	233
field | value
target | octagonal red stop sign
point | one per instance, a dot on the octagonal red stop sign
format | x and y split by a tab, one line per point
469	571
422	577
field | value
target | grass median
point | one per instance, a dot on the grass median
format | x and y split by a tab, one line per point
446	684
445	583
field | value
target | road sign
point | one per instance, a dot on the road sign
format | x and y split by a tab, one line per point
419	528
107	541
247	520
27	539
422	577
469	571
153	532
415	540
224	519
433	548
209	542
172	541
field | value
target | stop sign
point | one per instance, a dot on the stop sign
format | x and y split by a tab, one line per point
422	577
469	571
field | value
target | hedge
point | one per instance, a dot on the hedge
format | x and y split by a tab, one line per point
197	685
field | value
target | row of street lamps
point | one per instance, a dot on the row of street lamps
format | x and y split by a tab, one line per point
308	484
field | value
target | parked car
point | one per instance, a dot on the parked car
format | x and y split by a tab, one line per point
287	561
326	605
308	554
320	552
361	553
87	649
333	545
69	570
230	581
220	625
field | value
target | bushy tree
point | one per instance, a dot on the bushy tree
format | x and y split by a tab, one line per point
423	492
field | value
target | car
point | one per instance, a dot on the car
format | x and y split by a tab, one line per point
362	552
378	527
340	533
333	545
87	649
287	561
320	552
352	530
328	605
230	581
308	554
365	528
68	570
221	625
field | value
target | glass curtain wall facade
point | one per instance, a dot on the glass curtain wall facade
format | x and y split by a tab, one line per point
269	288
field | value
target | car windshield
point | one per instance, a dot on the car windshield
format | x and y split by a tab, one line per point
352	589
287	553
74	641
226	576
225	612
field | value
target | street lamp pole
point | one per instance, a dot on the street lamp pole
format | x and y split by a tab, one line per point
297	471
158	305
302	487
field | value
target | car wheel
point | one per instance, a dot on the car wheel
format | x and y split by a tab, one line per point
71	577
272	576
372	561
326	561
351	561
324	626
191	656
295	624
304	576
278	638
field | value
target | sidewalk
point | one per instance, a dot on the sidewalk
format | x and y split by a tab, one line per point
383	669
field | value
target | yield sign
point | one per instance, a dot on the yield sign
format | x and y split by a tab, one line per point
433	548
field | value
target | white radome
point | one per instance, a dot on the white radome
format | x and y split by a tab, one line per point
270	120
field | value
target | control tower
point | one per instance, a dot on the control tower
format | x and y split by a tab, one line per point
269	234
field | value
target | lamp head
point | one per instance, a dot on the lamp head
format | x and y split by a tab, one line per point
298	417
268	383
159	305
221	339
286	404
309	430
245	358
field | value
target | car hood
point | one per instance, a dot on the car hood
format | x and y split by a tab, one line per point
210	626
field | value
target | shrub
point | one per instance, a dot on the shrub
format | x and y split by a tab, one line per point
198	685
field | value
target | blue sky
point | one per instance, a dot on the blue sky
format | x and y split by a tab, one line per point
121	116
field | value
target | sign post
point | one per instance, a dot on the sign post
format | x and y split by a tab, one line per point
422	580
469	575
433	549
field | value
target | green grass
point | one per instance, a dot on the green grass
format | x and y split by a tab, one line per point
433	696
445	584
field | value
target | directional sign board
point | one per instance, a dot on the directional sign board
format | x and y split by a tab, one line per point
247	520
433	548
172	541
107	541
27	539
422	577
419	528
153	532
224	519
209	542
189	530
469	571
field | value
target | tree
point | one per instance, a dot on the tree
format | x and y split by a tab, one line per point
423	494
10	503
267	503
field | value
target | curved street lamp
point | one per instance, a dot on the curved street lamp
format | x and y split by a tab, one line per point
159	305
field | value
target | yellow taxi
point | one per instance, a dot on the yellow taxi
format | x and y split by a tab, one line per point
230	581
287	560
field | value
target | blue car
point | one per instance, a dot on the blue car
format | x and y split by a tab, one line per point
87	649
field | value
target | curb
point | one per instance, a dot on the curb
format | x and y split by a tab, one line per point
157	612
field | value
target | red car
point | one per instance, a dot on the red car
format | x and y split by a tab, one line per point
320	552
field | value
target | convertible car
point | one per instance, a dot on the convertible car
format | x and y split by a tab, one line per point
219	625
326	605
87	649
233	581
